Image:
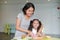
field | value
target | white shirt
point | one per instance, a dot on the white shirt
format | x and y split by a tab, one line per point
34	31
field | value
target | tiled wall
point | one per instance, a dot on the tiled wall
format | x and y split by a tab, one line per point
47	13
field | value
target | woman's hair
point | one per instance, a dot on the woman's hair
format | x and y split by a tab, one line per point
27	6
31	25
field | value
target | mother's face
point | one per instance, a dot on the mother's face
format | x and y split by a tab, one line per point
29	11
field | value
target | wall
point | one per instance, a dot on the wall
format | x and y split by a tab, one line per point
0	20
0	13
8	15
47	13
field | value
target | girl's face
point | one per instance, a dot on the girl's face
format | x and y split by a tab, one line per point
29	11
35	24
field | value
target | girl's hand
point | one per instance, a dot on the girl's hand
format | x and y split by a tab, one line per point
38	34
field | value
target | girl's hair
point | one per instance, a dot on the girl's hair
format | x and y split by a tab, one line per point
31	25
27	6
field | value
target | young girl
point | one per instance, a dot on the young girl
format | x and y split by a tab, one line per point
34	26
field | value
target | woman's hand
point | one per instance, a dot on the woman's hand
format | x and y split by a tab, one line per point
30	34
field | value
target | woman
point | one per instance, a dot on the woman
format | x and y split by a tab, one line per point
23	20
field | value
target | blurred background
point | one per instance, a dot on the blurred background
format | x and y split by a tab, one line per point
47	11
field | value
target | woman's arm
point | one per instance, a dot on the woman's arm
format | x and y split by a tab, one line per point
18	22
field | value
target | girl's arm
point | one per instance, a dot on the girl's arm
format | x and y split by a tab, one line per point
18	22
40	31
